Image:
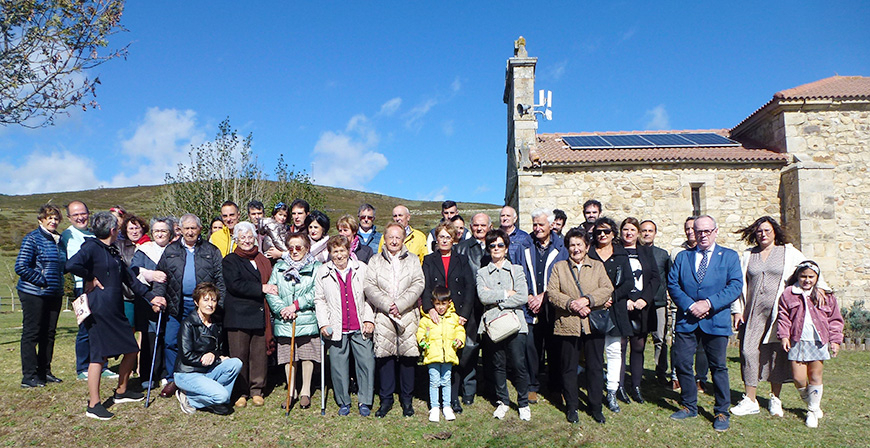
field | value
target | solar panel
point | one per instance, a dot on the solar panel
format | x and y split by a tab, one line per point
627	141
709	140
586	141
667	140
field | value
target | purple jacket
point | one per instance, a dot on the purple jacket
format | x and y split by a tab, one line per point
790	321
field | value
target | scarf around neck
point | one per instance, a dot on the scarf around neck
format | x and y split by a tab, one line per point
263	265
292	274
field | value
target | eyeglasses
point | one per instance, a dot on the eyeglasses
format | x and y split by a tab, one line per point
602	231
445	237
159	231
295	248
366	217
498	245
704	232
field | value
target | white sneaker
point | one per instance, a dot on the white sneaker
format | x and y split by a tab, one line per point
525	414
434	415
501	410
182	401
775	407
746	407
812	420
448	413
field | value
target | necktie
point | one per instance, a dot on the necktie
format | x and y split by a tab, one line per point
702	268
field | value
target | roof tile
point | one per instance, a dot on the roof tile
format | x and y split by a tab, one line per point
833	87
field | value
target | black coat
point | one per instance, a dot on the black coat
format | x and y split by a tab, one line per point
206	265
195	339
651	283
243	306
619	271
460	280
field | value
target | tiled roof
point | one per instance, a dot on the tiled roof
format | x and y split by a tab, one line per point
550	150
833	87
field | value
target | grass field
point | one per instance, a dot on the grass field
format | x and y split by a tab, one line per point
54	416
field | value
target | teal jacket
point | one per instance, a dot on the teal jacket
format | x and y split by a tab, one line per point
289	292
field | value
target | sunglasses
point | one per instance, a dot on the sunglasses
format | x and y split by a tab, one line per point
368	218
296	248
602	231
498	245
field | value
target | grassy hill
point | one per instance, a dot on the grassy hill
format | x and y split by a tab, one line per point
18	213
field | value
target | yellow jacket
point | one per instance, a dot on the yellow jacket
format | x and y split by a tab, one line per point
439	337
415	242
223	240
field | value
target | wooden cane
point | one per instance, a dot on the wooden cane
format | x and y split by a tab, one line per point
292	363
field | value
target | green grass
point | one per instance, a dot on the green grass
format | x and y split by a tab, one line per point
54	416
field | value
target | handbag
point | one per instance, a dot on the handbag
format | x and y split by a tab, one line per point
599	320
81	308
506	324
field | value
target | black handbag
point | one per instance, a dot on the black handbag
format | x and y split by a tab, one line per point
599	320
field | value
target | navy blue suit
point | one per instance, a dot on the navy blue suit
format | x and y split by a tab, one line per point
721	285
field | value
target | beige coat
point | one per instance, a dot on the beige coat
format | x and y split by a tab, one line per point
396	280
562	290
327	297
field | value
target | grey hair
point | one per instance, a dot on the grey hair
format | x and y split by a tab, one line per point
168	220
244	226
715	226
188	216
102	224
544	212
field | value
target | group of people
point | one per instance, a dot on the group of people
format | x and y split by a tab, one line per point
218	308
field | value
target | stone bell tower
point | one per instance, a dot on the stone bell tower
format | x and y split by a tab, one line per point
519	89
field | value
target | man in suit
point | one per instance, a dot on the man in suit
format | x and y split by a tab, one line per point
703	283
648	232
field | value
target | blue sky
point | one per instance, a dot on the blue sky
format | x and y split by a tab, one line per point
405	99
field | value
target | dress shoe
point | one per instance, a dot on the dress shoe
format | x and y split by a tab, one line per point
598	417
468	401
27	383
219	409
304	402
457	408
622	396
612	404
49	378
407	409
572	417
533	397
169	390
701	386
257	400
636	396
675	385
384	408
240	403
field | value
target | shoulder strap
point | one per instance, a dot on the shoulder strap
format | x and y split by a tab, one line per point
570	268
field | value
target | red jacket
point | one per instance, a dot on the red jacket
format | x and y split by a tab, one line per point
790	321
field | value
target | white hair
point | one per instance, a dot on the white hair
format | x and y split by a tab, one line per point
544	212
243	227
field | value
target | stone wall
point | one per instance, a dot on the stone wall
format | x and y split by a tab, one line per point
733	194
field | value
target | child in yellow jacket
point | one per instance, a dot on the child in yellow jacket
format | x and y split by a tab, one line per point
439	341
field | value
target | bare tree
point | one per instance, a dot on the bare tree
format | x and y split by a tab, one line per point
47	46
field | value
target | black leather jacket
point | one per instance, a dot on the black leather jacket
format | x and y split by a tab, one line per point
195	339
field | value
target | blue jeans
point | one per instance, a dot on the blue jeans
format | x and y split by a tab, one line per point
170	337
439	378
212	387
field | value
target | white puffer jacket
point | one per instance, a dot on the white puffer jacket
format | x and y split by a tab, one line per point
395	279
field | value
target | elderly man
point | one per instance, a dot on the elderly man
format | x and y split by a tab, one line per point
703	283
415	240
223	239
187	262
368	232
70	242
449	210
546	249
648	232
519	238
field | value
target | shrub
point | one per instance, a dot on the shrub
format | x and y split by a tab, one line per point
857	321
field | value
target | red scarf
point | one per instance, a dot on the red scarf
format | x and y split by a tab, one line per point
265	268
143	240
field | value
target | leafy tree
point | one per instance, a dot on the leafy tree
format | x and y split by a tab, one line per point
46	47
226	169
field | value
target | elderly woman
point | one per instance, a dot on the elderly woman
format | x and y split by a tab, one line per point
317	224
346	323
40	288
144	264
393	284
103	271
347	227
766	267
502	289
293	300
576	287
205	376
618	267
274	231
246	275
641	310
134	231
446	268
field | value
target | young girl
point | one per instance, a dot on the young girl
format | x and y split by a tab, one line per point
440	342
809	322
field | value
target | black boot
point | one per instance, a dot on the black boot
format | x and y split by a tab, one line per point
622	396
407	408
384	409
611	402
636	396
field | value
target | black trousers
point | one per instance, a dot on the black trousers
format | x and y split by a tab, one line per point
637	344
387	373
512	349
593	350
464	378
39	326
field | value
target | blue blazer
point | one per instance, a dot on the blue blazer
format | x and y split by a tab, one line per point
722	284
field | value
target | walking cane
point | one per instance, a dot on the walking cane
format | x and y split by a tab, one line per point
323	373
292	363
153	359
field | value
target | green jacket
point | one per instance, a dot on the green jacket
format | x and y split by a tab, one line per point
289	292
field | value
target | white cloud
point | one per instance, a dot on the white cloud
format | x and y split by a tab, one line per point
481	189
414	118
347	159
557	70
435	195
447	128
158	144
628	34
456	85
657	118
391	106
42	173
